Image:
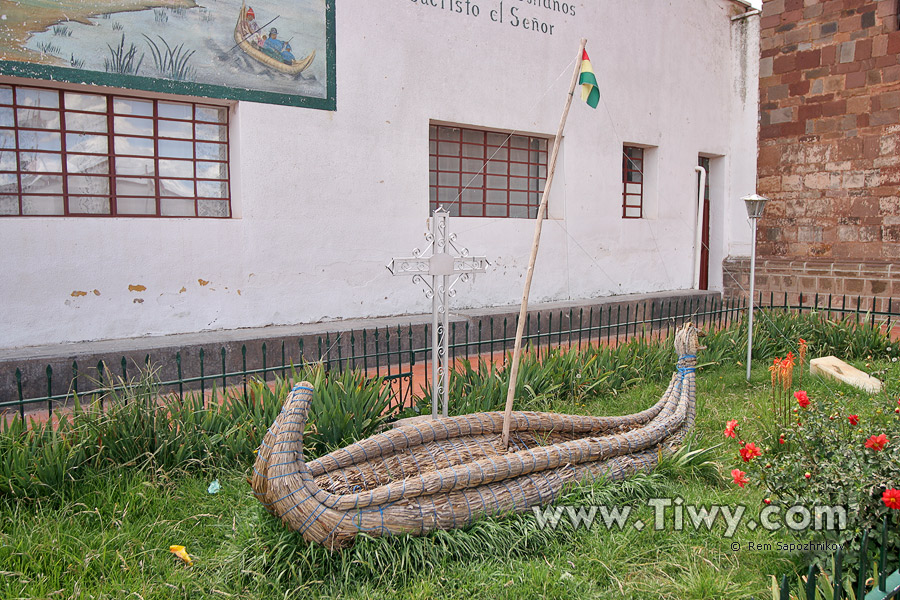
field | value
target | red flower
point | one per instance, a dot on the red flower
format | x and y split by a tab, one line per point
749	451
877	442
781	439
802	398
730	426
767	501
807	474
854	419
891	498
739	477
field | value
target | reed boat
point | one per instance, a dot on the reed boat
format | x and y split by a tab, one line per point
243	36
446	473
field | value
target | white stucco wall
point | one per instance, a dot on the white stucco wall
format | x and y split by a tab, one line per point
323	200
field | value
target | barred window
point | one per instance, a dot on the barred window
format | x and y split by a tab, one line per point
77	153
632	182
478	173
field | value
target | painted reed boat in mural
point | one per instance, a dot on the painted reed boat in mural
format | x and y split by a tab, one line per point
244	36
446	473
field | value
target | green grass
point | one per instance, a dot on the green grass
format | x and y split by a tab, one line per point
107	534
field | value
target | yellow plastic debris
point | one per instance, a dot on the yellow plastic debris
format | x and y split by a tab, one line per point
181	553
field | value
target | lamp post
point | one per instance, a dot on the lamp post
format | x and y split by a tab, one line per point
755	205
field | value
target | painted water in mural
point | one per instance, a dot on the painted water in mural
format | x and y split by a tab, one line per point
271	45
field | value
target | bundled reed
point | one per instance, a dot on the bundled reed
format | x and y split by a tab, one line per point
446	473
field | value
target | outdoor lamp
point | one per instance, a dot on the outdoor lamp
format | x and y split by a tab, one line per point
755	204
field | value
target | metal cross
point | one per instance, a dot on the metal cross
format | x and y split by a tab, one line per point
438	261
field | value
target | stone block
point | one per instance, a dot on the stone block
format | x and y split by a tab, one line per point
834	368
810	59
884	117
848	50
784	64
855	80
853	179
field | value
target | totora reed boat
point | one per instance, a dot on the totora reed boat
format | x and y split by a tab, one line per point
244	38
446	473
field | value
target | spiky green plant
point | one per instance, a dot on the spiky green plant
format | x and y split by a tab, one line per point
173	63
121	60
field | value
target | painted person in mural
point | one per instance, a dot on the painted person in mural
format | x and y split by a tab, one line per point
278	49
250	24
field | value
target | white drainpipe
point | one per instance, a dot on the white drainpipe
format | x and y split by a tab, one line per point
698	242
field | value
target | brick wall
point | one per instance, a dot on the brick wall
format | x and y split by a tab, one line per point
829	142
806	278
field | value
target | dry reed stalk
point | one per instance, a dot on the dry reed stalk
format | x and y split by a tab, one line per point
447	473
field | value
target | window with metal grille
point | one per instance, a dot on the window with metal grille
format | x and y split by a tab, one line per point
632	182
477	173
75	153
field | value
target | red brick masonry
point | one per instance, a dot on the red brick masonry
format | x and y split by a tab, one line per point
829	146
813	276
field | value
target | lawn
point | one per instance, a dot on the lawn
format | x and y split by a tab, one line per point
108	533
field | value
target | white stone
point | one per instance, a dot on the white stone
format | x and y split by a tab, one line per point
835	368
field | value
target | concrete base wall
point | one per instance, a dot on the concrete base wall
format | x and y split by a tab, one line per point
334	341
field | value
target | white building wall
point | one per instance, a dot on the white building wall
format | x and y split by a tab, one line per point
322	200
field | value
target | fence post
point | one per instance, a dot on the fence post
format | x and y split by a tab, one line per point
180	382
890	310
49	391
387	349
491	325
21	398
100	369
399	350
224	371
243	371
377	353
580	325
202	379
425	351
412	352
352	349
838	589
863	566
365	348
882	560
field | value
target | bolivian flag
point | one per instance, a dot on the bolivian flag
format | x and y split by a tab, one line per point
589	91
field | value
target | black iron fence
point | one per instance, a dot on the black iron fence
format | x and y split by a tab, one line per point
884	586
394	353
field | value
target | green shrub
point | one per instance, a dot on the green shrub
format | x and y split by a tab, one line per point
828	454
139	428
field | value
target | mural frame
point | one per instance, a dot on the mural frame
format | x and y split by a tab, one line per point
203	90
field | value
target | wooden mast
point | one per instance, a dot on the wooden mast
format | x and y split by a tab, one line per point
517	349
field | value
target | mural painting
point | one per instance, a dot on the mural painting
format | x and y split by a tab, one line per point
279	51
